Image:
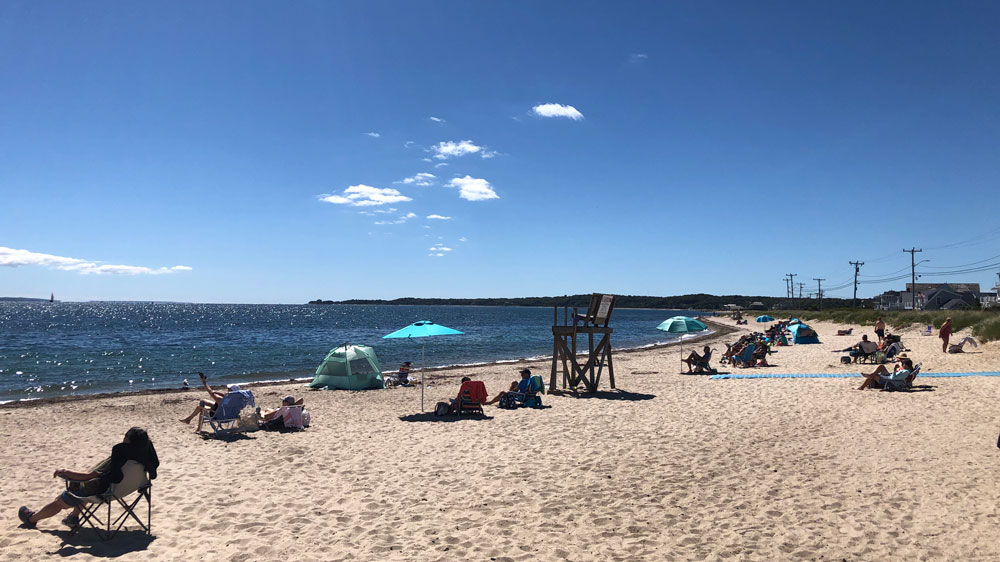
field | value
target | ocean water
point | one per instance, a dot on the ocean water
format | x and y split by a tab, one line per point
84	348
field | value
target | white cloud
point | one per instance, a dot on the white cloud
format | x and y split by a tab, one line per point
463	239
451	149
373	135
438	217
440	164
426	159
436	119
637	57
557	110
399	220
436	255
10	257
408	144
439	248
365	196
473	189
423	179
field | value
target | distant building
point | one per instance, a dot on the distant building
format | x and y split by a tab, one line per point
932	296
732	307
757	305
987	300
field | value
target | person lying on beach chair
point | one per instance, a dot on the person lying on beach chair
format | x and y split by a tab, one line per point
957	347
882	378
846	332
289	416
699	363
136	446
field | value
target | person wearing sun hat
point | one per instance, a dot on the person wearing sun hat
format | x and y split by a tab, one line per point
288	416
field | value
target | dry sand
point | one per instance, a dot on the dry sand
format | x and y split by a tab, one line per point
672	467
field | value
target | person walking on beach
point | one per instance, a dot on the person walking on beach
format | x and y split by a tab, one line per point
136	446
880	330
945	333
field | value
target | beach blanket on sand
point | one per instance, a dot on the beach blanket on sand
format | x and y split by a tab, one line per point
842	375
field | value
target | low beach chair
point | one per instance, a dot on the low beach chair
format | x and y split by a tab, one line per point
928	331
905	384
745	359
227	416
135	480
472	394
531	398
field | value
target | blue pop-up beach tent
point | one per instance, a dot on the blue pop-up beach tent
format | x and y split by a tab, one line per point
803	334
765	318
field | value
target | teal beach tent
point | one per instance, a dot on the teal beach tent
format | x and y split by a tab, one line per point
349	367
681	324
803	334
422	329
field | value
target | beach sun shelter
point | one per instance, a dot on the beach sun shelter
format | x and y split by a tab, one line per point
349	367
422	329
803	334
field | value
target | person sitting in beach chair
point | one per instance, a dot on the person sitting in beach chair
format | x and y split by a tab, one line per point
403	376
864	349
291	415
744	358
471	397
699	363
136	446
759	357
901	377
846	332
527	392
211	404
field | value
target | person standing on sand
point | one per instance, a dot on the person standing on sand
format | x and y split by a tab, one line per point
944	333
880	330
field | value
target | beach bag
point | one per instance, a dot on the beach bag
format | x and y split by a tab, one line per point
507	402
442	409
305	418
250	421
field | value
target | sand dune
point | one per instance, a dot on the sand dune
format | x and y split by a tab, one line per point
673	467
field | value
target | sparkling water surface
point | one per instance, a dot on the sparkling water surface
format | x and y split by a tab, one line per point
84	348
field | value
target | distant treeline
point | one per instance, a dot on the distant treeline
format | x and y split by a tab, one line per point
700	301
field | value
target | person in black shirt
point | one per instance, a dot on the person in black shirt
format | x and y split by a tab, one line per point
135	447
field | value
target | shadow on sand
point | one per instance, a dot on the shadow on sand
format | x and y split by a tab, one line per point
87	542
617	394
450	418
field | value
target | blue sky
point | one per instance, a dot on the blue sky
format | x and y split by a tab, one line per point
261	151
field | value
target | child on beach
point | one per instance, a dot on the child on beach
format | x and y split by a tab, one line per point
136	446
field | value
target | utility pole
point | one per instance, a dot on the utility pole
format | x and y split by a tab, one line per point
791	285
785	279
819	291
803	284
913	276
857	265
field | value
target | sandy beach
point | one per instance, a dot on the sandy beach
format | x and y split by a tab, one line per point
669	467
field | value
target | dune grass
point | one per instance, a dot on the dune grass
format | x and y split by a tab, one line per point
985	324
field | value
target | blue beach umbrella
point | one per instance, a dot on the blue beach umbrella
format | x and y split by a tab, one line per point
422	329
765	318
681	324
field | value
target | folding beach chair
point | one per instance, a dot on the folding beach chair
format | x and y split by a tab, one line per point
227	415
135	480
745	359
905	384
471	398
531	398
927	331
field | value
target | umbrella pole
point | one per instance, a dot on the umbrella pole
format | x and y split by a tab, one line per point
423	366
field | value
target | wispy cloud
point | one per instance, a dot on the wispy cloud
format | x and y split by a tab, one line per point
557	110
440	164
373	135
10	257
438	251
436	119
423	179
438	217
408	144
463	239
635	58
451	149
365	196
473	189
399	220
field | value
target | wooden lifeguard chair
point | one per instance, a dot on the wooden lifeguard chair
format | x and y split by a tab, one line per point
564	345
